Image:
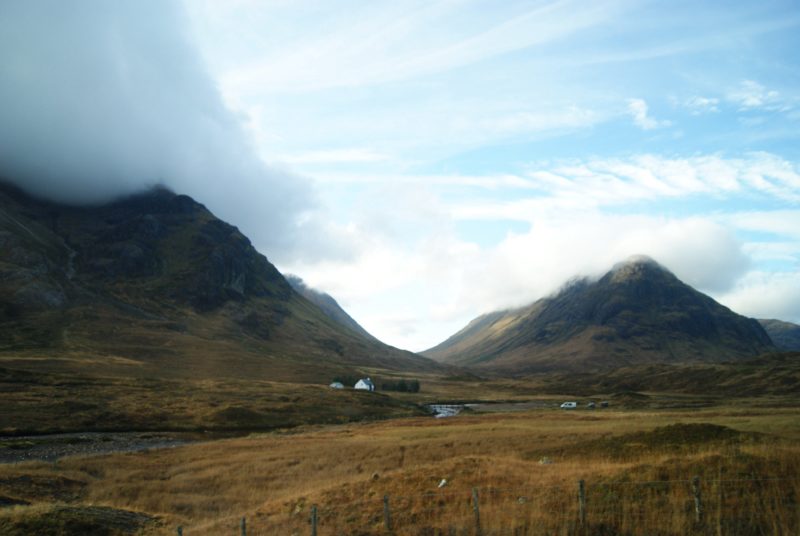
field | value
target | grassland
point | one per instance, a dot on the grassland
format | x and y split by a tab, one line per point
57	403
65	401
637	465
301	444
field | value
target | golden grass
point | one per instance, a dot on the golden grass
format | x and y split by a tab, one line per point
750	483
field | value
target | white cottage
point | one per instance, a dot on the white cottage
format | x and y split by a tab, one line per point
365	384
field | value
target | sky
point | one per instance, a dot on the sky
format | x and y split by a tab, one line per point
426	162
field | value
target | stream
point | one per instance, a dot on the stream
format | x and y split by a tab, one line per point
51	447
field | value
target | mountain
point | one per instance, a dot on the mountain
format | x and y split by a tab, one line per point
155	285
327	304
785	335
638	312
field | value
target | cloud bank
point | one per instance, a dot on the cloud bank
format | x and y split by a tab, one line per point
102	99
579	217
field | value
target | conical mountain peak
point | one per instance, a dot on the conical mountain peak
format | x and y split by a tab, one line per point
637	267
638	312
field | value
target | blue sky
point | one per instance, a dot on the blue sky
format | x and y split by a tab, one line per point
474	155
425	162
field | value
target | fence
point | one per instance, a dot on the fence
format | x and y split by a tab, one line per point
738	506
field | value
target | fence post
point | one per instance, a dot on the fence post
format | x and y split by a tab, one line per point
720	502
243	526
582	502
387	514
313	520
180	530
477	510
698	504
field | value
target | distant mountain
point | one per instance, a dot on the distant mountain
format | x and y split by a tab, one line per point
785	335
155	285
638	312
327	304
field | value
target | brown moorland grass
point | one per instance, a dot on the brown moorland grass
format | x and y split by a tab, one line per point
40	402
53	403
637	466
51	397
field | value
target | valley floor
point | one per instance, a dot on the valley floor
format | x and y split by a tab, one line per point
425	476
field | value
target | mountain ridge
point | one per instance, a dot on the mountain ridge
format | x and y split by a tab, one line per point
638	312
155	284
327	304
785	335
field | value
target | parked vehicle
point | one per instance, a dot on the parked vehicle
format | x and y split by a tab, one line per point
569	405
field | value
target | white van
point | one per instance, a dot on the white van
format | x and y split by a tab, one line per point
569	405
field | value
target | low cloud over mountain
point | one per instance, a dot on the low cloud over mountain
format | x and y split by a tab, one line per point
102	99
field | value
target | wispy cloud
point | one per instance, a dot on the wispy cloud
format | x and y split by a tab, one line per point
750	95
333	156
782	223
638	110
492	181
395	42
699	105
529	121
650	177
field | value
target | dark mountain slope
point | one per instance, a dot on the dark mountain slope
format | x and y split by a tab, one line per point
637	313
785	335
327	304
156	285
768	374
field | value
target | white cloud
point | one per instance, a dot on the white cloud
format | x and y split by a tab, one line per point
699	105
412	262
102	99
781	222
784	252
702	252
638	110
463	282
527	266
751	95
643	177
567	117
767	295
